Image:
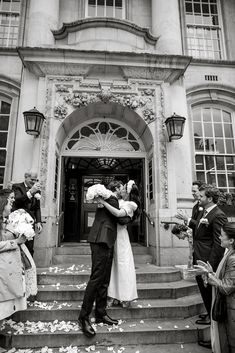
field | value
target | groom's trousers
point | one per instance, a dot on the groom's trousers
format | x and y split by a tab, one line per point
97	287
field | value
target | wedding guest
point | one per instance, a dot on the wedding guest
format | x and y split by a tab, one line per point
222	332
12	279
27	196
122	286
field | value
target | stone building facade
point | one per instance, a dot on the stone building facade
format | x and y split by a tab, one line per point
106	75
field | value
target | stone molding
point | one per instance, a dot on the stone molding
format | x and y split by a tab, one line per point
107	23
69	97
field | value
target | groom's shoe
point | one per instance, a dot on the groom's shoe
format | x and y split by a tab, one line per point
86	327
106	320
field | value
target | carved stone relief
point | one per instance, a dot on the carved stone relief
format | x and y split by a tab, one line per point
147	98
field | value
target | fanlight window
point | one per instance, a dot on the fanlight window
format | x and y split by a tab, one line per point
103	136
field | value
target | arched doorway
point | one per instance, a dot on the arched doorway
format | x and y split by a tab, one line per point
98	150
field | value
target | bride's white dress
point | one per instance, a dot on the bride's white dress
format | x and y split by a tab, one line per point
122	284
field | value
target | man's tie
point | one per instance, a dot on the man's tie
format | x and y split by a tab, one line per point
205	213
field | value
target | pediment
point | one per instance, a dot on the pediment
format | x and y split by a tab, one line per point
109	33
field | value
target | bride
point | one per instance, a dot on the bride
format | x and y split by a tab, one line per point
122	286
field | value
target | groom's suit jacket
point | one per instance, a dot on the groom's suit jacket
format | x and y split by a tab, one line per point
196	215
32	206
104	228
206	242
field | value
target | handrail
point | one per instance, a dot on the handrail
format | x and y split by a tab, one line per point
58	218
167	224
147	215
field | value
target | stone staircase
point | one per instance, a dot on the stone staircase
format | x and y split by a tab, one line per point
162	320
72	253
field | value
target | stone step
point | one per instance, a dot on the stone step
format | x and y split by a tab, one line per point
84	249
148	348
79	274
140	309
86	259
130	332
75	292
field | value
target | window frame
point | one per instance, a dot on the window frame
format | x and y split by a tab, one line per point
21	15
184	26
229	110
124	11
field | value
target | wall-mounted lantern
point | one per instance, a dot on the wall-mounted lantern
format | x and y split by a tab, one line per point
33	120
175	126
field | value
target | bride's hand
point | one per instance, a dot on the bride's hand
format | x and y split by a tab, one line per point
100	200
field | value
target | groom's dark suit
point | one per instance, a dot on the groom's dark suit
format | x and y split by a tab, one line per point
102	237
206	245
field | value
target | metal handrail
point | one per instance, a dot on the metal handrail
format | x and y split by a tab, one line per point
58	218
147	215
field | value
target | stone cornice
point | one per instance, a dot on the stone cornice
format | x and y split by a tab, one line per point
54	61
104	22
213	63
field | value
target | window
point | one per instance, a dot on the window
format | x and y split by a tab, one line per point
4	125
203	30
214	147
9	22
106	8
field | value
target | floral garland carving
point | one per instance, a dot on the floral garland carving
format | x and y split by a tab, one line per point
142	102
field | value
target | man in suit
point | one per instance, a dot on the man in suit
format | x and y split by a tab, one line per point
27	196
102	238
206	242
197	210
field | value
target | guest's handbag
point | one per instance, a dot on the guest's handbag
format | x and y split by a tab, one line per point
25	260
219	309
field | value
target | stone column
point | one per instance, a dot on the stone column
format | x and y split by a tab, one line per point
166	26
43	17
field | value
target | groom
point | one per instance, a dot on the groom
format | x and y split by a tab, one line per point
102	238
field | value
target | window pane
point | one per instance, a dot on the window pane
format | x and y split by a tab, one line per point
197	129
219	145
229	145
228	130
209	145
226	117
216	115
230	163
206	114
198	144
208	130
1	175
210	162
197	115
211	178
220	163
4	121
3	139
218	130
221	180
201	176
5	108
2	157
231	179
199	163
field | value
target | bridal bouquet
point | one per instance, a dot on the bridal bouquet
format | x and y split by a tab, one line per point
97	190
21	223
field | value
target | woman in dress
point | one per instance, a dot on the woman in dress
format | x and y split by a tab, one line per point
12	279
122	286
222	333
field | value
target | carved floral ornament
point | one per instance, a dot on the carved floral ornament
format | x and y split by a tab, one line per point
68	99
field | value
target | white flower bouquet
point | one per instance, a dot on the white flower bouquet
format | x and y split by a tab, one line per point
97	190
21	223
